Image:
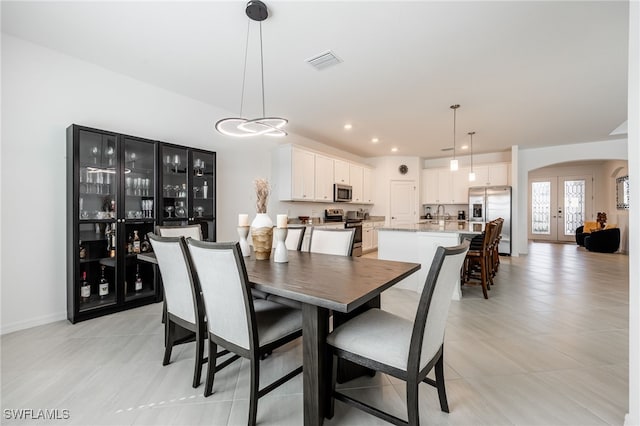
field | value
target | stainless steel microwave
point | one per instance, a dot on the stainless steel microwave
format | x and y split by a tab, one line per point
342	193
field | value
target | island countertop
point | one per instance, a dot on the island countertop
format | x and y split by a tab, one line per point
461	227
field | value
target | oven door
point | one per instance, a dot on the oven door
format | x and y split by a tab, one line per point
357	238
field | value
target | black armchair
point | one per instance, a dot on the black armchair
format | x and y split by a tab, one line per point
580	235
605	241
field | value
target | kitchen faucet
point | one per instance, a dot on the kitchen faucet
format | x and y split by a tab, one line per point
438	211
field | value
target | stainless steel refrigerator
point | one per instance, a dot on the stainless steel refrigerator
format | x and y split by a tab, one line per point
487	203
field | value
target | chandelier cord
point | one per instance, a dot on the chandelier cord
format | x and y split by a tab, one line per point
471	151
244	73
262	70
454	133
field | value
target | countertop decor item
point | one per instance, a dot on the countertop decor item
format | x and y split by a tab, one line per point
241	126
262	225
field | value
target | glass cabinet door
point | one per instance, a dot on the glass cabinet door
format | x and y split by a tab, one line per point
97	230
175	192
203	192
138	175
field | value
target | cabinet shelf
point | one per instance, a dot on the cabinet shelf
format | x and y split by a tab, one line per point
140	295
96	302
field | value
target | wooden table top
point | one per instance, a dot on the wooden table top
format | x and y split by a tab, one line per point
338	283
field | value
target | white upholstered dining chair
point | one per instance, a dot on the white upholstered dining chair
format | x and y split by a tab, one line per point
295	235
332	241
247	327
405	349
187	231
185	320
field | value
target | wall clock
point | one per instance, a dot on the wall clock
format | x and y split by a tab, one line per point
403	169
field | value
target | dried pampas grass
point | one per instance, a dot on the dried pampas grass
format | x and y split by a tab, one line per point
263	189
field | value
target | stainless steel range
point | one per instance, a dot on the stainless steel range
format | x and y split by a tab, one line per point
337	215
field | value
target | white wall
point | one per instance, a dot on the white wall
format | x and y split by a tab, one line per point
387	171
43	92
633	113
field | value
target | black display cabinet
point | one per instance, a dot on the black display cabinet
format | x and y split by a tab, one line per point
115	196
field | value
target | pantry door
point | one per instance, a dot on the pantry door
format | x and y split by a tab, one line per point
403	203
558	205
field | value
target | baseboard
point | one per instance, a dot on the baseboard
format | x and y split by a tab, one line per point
33	322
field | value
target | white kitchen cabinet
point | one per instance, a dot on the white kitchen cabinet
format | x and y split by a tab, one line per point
341	172
376	225
430	186
367	185
491	174
460	189
295	179
324	179
367	236
498	174
355	179
445	186
303	175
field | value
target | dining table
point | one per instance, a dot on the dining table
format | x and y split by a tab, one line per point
322	284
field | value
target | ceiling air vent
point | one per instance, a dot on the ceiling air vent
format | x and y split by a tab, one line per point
324	60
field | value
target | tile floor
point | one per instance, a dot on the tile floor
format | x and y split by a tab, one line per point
549	347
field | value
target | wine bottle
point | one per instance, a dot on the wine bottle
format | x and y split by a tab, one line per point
85	288
138	279
83	251
130	244
136	242
103	288
145	246
112	243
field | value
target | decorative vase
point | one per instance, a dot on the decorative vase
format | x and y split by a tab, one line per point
262	236
281	254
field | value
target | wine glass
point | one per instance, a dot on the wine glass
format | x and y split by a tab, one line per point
169	209
176	162
94	152
199	210
110	152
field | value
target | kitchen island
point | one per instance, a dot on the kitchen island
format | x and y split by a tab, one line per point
418	243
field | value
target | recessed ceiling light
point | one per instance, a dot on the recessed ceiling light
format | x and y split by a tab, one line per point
464	147
348	126
375	140
394	149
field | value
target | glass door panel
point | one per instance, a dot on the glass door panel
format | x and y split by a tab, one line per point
97	183
139	179
139	277
203	193
558	205
175	192
97	252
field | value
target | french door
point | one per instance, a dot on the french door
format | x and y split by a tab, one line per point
558	205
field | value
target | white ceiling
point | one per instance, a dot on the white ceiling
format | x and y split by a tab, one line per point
525	73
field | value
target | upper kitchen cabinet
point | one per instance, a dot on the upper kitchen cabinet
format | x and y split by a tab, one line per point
367	185
430	190
341	172
324	178
304	175
356	179
492	174
295	173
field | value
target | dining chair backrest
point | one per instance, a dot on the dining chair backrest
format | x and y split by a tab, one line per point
179	288
192	231
332	241
295	234
433	308
222	276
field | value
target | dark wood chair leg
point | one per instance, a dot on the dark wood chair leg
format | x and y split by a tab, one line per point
169	331
253	397
412	402
331	402
199	361
442	392
483	278
211	368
